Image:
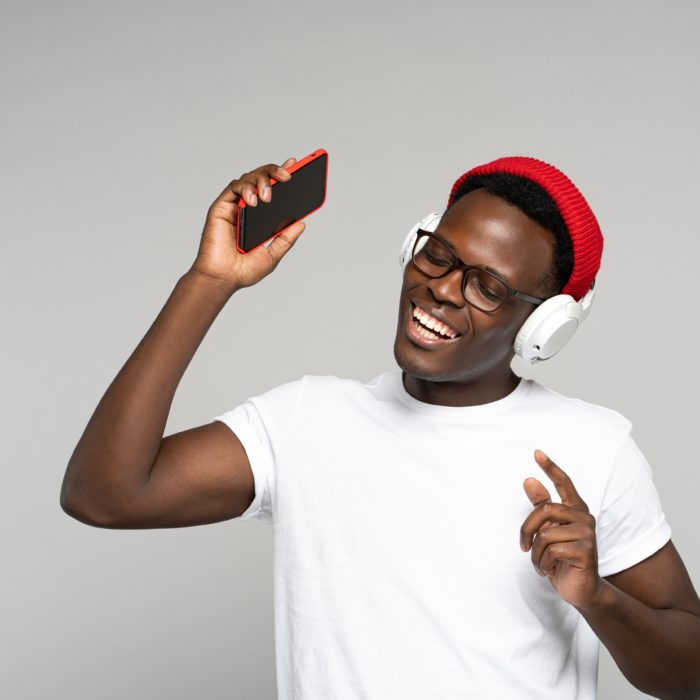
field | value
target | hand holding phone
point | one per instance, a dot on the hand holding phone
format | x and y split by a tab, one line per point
290	201
218	257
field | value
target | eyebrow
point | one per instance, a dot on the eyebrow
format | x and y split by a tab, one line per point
483	267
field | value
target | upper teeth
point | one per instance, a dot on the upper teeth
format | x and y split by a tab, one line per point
433	323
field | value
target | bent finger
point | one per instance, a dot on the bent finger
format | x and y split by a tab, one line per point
549	536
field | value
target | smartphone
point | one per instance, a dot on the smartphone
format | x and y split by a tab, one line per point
291	201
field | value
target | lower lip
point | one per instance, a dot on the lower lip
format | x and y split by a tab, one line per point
421	340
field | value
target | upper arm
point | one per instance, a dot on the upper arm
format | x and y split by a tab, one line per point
201	475
659	581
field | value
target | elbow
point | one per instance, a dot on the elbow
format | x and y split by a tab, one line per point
83	512
90	510
94	517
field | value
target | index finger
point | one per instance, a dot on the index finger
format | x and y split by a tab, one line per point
561	480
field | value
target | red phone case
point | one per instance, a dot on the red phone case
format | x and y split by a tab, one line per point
299	164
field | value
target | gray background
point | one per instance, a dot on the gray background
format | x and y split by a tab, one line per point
121	122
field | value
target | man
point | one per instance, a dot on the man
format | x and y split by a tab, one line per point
419	549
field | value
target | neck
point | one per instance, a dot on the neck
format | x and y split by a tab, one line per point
468	392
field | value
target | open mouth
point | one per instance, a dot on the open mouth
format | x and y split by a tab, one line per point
422	326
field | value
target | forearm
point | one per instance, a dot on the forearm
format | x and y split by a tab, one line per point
113	458
658	651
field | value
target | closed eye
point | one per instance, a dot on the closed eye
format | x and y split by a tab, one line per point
437	261
487	292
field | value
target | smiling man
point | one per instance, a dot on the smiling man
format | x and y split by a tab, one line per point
473	367
447	529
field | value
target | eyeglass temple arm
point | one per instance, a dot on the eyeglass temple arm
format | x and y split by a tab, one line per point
585	301
527	297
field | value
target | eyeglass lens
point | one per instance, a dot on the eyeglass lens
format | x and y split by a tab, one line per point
482	289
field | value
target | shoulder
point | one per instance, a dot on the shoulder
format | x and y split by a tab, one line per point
586	415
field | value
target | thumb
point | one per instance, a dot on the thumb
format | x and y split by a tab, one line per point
536	491
282	242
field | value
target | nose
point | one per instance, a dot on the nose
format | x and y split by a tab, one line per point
449	288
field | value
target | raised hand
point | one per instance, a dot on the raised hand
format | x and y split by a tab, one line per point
218	258
564	548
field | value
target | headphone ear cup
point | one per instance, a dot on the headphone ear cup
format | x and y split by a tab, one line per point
407	247
548	328
427	223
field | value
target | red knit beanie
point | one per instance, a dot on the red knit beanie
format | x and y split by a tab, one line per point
580	221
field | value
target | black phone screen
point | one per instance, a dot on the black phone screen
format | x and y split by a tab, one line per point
292	200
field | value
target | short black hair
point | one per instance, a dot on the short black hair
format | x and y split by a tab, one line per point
534	201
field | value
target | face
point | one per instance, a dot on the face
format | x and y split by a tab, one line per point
484	230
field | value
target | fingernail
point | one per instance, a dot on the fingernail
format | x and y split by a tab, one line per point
253	199
265	194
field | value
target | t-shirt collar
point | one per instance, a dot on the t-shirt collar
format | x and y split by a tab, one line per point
460	412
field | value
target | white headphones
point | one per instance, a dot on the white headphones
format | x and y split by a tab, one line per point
547	329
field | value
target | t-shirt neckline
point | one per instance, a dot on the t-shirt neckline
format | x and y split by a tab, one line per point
458	412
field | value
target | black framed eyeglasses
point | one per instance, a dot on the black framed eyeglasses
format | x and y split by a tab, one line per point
481	288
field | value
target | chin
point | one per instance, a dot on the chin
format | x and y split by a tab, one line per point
424	365
411	363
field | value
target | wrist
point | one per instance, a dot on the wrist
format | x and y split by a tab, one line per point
210	284
602	601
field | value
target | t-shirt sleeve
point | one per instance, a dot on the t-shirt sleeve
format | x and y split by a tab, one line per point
631	525
262	424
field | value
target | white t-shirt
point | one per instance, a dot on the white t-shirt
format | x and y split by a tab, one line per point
398	573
